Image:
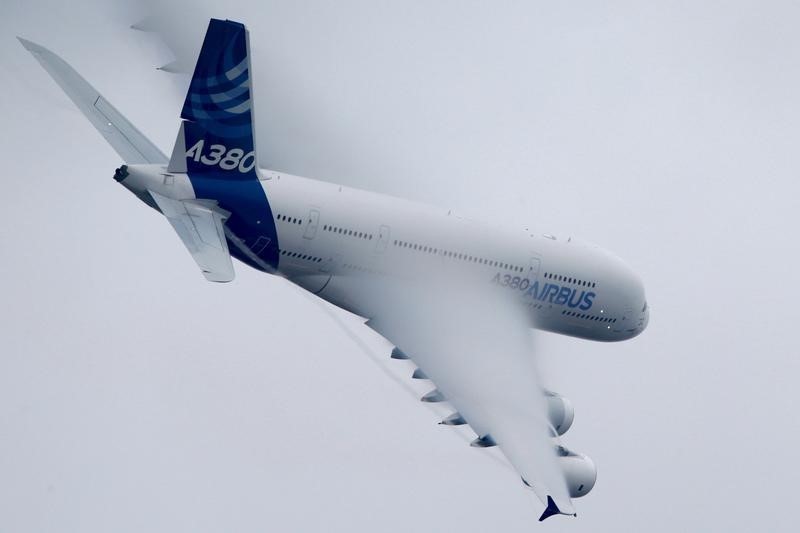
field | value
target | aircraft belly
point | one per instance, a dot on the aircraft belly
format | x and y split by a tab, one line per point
314	283
346	292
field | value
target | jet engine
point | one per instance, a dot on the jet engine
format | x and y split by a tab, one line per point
559	412
580	472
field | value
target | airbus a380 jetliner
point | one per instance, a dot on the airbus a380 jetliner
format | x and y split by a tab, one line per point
349	246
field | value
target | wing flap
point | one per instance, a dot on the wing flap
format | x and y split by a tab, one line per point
200	225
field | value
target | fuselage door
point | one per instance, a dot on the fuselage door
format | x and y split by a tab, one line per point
541	309
534	266
312	223
384	232
628	318
260	244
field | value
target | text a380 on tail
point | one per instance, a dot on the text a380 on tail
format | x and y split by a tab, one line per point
352	247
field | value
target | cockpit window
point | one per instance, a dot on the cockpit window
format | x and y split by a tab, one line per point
645	307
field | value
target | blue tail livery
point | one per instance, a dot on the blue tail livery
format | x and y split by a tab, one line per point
216	144
217	131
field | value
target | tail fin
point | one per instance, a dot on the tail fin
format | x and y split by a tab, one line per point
216	144
216	137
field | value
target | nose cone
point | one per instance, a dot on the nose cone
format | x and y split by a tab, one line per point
641	309
637	302
623	293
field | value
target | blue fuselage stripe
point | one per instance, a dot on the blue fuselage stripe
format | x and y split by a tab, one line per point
251	217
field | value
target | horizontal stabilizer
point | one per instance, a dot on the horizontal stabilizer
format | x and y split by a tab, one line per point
199	224
124	138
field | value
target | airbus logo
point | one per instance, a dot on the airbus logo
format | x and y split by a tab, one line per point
549	292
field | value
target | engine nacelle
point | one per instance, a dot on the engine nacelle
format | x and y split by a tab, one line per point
559	412
580	472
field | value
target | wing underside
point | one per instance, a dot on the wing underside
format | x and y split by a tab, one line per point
478	353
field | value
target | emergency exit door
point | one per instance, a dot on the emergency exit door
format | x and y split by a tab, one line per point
312	223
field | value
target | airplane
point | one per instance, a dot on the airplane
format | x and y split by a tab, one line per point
353	248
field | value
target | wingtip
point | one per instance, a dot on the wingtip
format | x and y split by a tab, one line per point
30	46
552	509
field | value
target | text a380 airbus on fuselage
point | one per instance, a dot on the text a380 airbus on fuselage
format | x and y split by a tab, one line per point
344	245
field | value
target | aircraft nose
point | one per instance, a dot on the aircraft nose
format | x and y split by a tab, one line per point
638	307
625	291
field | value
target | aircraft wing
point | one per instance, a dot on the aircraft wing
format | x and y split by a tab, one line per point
478	354
127	141
200	225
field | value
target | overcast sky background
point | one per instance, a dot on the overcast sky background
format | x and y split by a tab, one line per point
136	396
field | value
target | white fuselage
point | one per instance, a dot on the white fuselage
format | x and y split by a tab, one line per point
331	237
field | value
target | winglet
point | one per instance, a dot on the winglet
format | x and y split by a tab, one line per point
552	509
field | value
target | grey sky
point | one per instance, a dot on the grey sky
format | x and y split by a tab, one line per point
135	396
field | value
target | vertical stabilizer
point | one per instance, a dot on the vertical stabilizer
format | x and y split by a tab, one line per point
216	145
216	135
